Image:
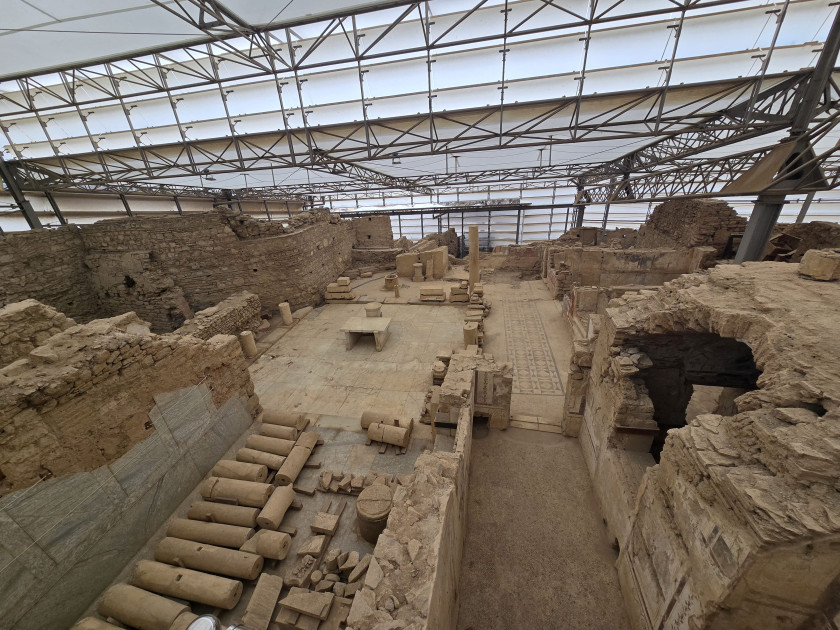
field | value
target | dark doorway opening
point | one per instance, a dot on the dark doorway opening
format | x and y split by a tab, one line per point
694	373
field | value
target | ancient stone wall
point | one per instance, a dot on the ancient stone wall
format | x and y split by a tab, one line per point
739	525
163	268
81	399
231	316
379	258
25	325
49	266
603	267
373	232
690	223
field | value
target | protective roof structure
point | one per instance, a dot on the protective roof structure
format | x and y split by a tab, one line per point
370	99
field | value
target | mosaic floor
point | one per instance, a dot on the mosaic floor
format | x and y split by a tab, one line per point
535	370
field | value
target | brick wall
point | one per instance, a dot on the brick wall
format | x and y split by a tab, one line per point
25	325
49	266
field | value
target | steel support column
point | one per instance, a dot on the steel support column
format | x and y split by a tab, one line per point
178	205
54	205
760	227
126	206
17	194
805	205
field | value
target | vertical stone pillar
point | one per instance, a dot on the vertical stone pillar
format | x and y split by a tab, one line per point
249	346
286	313
474	273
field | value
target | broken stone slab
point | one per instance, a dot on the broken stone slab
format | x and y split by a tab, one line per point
374	574
331	559
307	602
360	568
325	523
324	586
261	606
313	547
350	562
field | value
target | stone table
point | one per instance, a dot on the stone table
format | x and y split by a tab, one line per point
355	327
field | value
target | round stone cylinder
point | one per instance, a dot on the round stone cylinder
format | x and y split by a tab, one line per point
269	444
285	418
249	346
398	436
370	417
254	456
250	493
209	558
269	544
286	313
139	609
194	586
297	459
211	533
275	508
418	272
278	431
231	469
372	509
223	513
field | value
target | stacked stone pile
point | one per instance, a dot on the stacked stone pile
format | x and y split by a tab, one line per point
26	325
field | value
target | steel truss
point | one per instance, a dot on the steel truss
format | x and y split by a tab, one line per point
687	120
617	116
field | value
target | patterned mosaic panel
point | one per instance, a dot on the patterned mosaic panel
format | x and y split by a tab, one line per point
535	371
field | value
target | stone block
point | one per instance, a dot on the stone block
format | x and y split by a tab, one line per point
821	264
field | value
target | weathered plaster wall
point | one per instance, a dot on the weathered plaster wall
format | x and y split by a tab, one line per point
739	524
65	539
49	266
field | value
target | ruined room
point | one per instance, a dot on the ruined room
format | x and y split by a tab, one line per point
420	315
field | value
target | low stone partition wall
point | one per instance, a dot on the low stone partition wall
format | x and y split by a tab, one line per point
416	567
25	325
229	317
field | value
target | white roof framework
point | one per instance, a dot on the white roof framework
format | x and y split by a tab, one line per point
292	99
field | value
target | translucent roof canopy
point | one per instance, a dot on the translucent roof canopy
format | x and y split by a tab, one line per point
43	35
387	95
